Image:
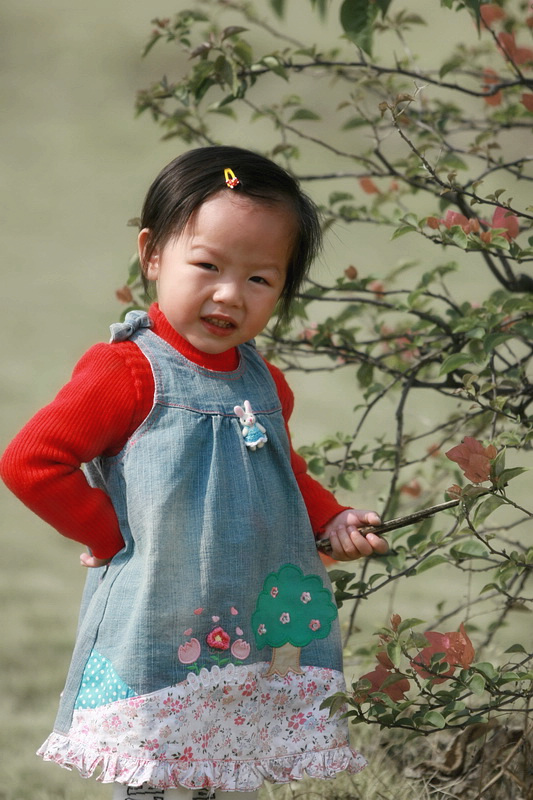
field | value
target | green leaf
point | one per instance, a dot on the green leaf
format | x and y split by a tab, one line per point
274	65
492	341
509	474
430	562
402	230
383	6
452	64
365	374
471	549
516	648
278	6
354	122
459	237
304	113
475	6
455	361
339	197
405	624
244	52
486	668
394	652
435	719
357	18
316	466
232	30
477	684
486	508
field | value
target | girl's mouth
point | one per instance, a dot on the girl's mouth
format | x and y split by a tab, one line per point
220	325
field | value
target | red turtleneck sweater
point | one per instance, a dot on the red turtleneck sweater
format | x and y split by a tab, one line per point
109	395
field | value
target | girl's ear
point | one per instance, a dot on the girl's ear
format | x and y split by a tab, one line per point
150	268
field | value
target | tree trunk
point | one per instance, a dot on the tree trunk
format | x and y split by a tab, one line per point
285	659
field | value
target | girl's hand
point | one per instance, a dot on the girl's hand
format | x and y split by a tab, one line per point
347	543
86	560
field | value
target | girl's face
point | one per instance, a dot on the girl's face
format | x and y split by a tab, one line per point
219	281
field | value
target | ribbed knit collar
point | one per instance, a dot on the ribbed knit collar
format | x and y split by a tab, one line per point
219	362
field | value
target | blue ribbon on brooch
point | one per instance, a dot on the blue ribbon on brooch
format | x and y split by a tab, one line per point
133	321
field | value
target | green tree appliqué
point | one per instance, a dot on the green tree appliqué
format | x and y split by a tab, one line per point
292	610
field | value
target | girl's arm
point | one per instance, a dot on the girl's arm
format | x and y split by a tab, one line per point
92	415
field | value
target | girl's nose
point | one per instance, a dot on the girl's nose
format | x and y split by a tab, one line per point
228	292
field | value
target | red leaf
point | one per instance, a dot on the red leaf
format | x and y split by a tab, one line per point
490	78
396	691
473	458
368	186
527	101
457	648
490	12
502	218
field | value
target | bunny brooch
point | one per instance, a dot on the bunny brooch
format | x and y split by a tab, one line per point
254	434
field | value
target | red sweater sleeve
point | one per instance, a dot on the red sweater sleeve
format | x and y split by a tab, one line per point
320	503
92	415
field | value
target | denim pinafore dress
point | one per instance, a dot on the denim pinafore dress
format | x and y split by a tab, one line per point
207	645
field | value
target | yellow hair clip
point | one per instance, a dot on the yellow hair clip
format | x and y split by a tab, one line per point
231	179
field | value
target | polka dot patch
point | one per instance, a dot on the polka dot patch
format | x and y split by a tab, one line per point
100	684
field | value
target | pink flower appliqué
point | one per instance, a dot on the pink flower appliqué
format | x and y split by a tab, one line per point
274	591
218	639
315	624
285	618
240	649
261	629
305	597
189	652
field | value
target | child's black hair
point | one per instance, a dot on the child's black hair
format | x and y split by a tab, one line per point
184	184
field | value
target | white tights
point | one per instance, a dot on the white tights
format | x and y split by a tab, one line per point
121	792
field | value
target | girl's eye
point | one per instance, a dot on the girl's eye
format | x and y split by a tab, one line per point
210	267
259	279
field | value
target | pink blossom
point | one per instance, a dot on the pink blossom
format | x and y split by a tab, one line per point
240	649
218	639
274	591
305	597
189	652
261	629
315	624
285	618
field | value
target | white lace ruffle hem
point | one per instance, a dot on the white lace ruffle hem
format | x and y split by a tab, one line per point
224	775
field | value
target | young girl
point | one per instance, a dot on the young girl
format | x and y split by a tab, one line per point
208	635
